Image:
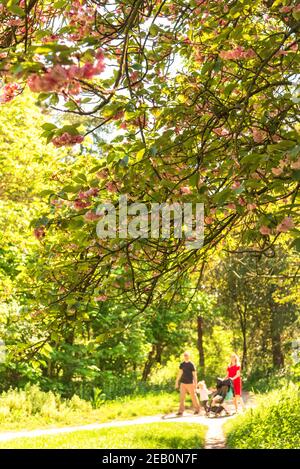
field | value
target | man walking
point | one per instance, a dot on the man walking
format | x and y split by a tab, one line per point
187	377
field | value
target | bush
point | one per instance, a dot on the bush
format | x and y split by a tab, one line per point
263	381
274	423
16	404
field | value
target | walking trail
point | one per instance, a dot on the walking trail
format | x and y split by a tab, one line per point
214	438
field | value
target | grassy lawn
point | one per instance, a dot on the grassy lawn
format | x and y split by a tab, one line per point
154	435
273	424
81	413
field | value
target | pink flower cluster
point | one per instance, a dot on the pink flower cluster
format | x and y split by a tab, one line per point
185	190
9	91
221	132
92	192
81	18
59	78
39	232
286	225
83	201
101	298
265	230
239	53
258	135
296	164
67	140
103	174
91	216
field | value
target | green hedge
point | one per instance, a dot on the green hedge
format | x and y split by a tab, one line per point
274	423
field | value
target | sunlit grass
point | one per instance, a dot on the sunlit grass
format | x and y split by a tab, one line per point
273	424
40	410
155	435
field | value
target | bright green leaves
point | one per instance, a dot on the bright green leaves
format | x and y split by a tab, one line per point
51	130
13	6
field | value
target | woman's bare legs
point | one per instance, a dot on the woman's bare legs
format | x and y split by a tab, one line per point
235	403
237	399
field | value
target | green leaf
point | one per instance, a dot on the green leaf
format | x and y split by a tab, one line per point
70	188
296	175
221	197
296	244
140	154
12	5
49	126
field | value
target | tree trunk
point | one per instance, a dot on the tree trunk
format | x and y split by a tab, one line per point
200	345
243	323
67	369
158	356
149	363
277	355
278	358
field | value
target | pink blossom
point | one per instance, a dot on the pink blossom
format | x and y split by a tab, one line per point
89	70
276	138
111	186
285	9
237	53
92	192
103	174
236	185
59	78
221	132
277	171
265	230
67	139
81	204
119	115
208	220
286	225
39	232
54	79
9	91
81	195
101	298
255	176
99	55
251	207
242	201
185	190
231	206
91	216
296	164
258	135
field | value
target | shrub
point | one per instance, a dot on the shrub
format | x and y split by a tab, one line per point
77	404
274	423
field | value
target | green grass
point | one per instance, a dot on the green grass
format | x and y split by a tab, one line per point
155	435
273	424
26	410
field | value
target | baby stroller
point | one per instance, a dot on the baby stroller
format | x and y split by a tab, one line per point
224	388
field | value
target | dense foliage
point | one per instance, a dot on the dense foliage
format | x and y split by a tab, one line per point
274	424
165	102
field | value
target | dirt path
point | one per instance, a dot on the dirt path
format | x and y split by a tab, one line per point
214	438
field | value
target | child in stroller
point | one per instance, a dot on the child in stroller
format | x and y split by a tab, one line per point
217	404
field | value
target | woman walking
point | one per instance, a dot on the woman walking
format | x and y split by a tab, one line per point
234	373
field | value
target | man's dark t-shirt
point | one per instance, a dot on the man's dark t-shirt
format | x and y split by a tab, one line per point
187	372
